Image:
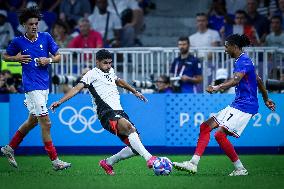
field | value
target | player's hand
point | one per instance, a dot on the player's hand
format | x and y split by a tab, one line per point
212	89
24	59
140	96
54	105
270	104
42	61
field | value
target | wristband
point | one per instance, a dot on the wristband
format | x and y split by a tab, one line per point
50	60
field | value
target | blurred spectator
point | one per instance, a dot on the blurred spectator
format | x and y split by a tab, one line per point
44	5
163	84
261	23
60	32
8	84
267	7
6	30
276	37
280	11
146	5
87	38
106	23
218	15
204	37
221	77
118	6
128	36
72	10
186	69
12	5
234	5
240	27
42	26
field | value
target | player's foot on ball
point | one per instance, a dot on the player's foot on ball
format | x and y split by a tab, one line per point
9	153
151	161
239	172
108	168
60	165
186	166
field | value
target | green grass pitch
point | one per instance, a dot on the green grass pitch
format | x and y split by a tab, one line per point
35	172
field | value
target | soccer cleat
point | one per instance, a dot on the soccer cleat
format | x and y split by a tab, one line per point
239	172
9	153
108	168
186	166
60	165
151	161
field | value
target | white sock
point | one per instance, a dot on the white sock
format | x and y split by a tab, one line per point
125	153
238	164
195	159
138	146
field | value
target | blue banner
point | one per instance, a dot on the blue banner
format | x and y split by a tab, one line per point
4	125
166	120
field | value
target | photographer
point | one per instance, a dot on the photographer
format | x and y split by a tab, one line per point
9	84
163	84
186	69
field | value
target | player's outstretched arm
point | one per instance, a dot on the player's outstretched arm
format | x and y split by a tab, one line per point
75	90
25	59
227	84
268	102
123	84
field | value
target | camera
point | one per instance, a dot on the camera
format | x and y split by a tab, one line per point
274	85
144	84
64	79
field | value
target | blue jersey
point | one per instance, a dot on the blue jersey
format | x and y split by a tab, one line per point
34	77
246	90
190	67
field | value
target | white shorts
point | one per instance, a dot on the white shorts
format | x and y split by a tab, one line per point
233	120
36	102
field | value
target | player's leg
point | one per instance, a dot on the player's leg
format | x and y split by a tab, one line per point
203	140
125	128
107	164
228	148
45	124
18	137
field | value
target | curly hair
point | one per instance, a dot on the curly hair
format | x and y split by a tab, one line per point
239	40
32	12
103	54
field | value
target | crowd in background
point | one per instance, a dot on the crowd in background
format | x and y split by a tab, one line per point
73	23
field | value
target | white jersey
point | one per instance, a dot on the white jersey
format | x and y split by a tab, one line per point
103	90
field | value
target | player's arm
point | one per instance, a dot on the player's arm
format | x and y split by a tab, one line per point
268	102
195	79
25	59
75	90
53	59
227	84
123	84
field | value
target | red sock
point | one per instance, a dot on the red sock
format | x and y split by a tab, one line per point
226	145
50	149
204	137
16	140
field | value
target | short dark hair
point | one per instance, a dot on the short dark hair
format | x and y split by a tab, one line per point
166	79
184	38
103	54
241	12
239	40
277	17
27	13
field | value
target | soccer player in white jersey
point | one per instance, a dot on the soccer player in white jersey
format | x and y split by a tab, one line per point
232	120
32	50
102	83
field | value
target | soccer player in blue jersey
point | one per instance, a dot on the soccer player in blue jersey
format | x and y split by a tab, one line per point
32	51
233	119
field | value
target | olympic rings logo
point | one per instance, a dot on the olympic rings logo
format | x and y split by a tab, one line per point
78	116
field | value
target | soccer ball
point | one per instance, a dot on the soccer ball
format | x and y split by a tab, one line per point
162	166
